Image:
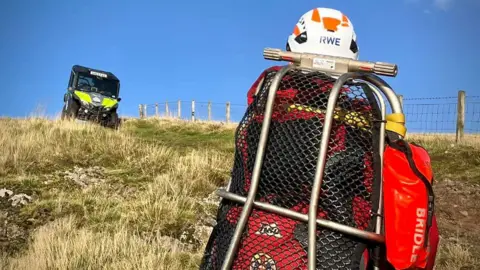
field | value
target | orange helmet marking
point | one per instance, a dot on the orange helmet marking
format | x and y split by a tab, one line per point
345	20
296	31
316	16
331	24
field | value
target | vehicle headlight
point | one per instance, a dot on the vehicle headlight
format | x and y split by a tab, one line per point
84	103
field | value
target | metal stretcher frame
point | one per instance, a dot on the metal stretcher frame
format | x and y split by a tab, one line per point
381	149
249	202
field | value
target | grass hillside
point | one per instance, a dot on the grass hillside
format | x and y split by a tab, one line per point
83	197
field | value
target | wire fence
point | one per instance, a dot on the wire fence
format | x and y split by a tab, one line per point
194	110
443	115
431	115
454	116
472	113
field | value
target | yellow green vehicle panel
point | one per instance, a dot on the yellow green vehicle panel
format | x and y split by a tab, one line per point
107	102
83	96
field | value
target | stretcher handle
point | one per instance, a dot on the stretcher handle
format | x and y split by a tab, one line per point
331	64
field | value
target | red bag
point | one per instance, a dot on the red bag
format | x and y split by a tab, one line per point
270	241
411	234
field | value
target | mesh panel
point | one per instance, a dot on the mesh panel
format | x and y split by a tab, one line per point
277	242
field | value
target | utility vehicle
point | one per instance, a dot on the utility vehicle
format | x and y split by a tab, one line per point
92	95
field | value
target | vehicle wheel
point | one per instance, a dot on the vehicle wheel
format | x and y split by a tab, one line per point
71	111
63	115
114	120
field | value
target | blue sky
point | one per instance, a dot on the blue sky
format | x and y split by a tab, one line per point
212	50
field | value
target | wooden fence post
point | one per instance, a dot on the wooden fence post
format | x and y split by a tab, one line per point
179	109
145	115
460	116
167	114
156	109
193	110
209	111
227	116
140	111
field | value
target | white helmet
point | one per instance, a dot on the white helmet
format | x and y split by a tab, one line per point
324	31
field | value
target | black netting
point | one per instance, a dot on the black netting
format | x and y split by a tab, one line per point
288	171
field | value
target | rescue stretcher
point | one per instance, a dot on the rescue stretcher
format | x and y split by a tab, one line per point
345	71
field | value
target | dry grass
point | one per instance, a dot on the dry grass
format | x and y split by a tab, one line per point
472	140
37	145
62	245
149	200
148	213
456	255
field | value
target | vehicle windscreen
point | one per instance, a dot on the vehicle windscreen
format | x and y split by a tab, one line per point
91	83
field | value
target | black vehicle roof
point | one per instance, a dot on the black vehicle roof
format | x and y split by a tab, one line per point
78	68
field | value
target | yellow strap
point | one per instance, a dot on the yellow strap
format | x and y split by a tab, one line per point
396	123
350	118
